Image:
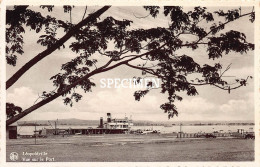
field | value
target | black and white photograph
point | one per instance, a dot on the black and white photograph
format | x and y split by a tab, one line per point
167	83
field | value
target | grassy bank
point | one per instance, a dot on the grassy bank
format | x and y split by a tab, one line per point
133	148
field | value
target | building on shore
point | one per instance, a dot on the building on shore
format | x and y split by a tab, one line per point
11	132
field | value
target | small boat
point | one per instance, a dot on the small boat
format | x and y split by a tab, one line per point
147	131
78	133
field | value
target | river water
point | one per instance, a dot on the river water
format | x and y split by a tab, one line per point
29	130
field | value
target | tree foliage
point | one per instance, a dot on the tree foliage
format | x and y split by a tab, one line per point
12	110
157	46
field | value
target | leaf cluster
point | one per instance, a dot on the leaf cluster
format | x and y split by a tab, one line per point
12	110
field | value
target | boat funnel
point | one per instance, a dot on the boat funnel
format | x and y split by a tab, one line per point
101	122
108	117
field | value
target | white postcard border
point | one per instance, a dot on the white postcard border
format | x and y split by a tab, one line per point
255	3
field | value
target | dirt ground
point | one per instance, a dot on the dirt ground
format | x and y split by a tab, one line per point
130	148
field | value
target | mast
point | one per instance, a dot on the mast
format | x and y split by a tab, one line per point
35	133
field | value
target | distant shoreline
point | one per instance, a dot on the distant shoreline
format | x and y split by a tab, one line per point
80	122
166	125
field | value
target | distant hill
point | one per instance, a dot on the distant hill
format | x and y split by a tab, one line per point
74	121
198	123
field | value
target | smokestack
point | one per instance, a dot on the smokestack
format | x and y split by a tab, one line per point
108	117
101	122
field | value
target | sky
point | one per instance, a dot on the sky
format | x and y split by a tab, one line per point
211	103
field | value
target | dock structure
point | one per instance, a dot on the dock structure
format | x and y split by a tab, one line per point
239	134
86	131
112	126
199	135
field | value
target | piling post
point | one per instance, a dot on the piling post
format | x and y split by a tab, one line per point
180	129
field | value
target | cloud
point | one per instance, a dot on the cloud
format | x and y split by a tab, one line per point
196	105
22	96
241	72
241	108
94	105
25	97
122	101
198	108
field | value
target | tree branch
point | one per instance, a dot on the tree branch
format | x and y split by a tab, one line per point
228	67
220	26
56	95
150	71
194	84
97	71
141	17
85	12
58	44
104	68
198	41
70	17
49	99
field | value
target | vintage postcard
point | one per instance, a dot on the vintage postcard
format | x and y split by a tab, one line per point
134	83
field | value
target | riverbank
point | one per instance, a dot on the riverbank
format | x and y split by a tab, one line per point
125	148
29	130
